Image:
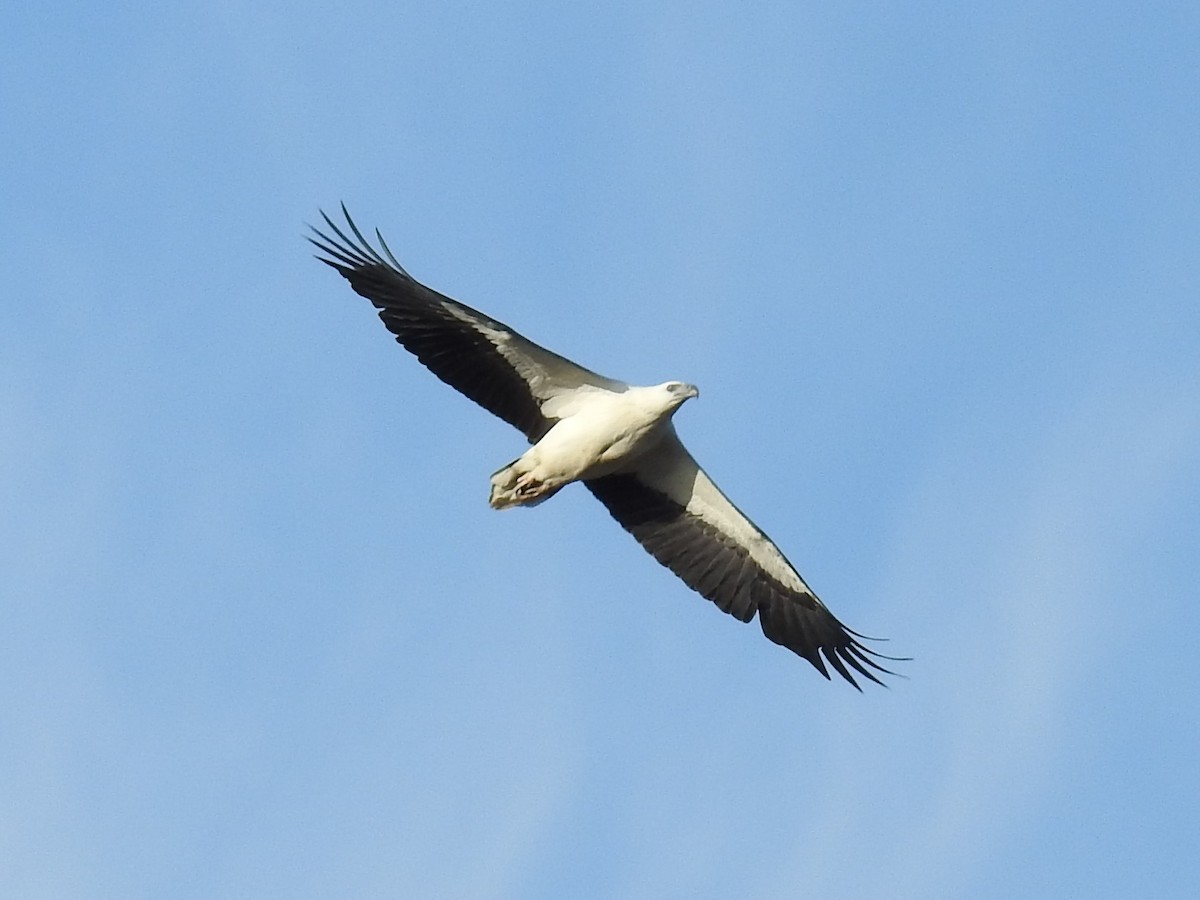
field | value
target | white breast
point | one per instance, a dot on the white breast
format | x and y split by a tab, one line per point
602	431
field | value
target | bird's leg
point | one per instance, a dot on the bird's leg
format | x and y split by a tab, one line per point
527	485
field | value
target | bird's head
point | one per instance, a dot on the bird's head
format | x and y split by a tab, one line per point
679	391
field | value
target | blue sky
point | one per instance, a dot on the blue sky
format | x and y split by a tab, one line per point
935	271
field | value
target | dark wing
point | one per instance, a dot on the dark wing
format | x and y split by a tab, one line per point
503	372
676	512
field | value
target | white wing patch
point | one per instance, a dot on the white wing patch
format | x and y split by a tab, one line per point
553	380
567	402
671	470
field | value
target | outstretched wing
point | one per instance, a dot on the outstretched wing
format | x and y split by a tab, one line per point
676	512
505	373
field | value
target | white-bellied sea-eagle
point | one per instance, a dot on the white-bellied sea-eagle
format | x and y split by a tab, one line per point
617	439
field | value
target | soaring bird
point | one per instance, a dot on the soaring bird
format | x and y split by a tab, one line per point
617	439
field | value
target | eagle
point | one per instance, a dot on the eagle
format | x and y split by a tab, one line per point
617	439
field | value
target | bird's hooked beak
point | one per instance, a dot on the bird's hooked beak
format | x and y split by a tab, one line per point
691	390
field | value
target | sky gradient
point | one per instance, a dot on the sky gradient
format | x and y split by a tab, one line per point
935	271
